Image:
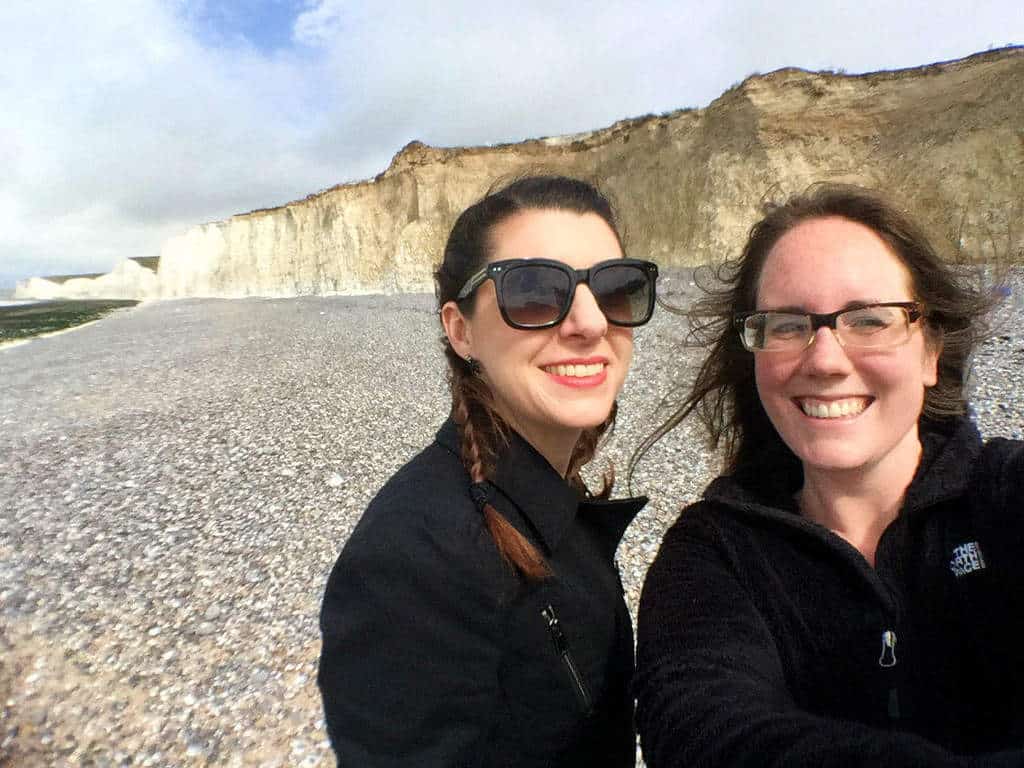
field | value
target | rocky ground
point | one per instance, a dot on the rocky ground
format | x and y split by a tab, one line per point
176	482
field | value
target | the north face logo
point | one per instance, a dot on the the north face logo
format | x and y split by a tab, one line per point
967	558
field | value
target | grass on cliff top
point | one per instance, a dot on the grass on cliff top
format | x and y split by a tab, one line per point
24	321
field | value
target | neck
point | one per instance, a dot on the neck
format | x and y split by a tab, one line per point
859	504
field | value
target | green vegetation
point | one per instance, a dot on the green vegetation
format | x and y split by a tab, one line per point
149	262
27	320
60	279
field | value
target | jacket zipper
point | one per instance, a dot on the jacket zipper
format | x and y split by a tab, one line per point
888	657
888	660
562	649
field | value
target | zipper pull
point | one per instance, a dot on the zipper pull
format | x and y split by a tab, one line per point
888	657
555	630
562	649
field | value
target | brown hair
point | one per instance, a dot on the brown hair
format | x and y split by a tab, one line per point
483	431
724	393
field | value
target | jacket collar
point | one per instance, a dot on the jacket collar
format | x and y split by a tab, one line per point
948	453
948	450
544	501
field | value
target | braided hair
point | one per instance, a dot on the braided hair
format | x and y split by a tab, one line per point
483	432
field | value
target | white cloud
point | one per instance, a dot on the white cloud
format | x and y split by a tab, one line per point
133	125
123	123
319	23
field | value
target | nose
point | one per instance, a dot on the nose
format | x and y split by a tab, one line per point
585	317
826	356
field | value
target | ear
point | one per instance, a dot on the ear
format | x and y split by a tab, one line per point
458	329
930	364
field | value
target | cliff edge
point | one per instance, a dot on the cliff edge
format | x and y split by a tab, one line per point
945	139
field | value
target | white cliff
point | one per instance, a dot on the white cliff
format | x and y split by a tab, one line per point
128	280
945	139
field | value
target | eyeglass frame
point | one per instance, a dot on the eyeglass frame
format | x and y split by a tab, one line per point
914	310
496	271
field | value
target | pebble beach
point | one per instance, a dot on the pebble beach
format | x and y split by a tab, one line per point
177	479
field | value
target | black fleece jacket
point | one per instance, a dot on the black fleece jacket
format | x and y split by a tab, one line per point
765	639
435	653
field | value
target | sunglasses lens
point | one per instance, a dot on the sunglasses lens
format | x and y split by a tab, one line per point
624	292
534	294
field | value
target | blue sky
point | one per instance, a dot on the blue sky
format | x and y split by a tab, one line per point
125	123
263	24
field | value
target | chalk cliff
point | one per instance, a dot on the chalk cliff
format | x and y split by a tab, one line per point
128	280
946	139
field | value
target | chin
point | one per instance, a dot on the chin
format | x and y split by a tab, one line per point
582	404
583	423
583	418
833	465
839	460
827	453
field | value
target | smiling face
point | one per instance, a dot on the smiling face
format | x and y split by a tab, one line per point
838	408
548	384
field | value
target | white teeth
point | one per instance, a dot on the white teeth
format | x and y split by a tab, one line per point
833	410
575	370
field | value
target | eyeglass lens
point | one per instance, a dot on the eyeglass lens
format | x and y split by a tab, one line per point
538	294
623	293
864	327
535	294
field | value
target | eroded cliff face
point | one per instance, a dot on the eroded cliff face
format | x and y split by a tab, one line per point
947	140
127	280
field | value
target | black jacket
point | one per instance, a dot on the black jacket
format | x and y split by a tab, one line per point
767	640
436	654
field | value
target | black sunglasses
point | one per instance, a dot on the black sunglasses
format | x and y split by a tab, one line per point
538	293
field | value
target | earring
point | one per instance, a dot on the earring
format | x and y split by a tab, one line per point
473	363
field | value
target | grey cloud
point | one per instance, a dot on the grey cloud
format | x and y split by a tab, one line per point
138	126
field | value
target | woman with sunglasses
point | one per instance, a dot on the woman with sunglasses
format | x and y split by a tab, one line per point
851	591
475	616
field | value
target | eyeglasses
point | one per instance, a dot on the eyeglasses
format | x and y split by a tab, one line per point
538	293
885	324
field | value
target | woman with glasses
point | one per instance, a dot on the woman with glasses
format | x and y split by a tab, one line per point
475	615
850	591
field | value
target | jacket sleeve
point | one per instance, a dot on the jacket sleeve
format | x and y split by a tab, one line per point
711	688
410	655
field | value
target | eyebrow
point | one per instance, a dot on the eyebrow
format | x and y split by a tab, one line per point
796	310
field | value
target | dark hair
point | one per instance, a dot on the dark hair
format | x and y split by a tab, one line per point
482	429
724	393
